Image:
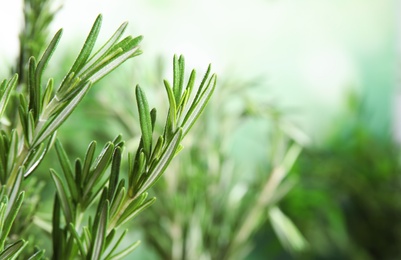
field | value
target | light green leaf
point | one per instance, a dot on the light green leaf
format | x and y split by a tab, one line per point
133	211
55	123
13	150
287	232
6	89
64	197
111	64
198	105
114	248
38	255
11	214
35	157
178	82
77	239
48	92
125	252
172	120
67	170
117	201
161	165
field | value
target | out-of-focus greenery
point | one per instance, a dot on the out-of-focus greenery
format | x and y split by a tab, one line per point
347	202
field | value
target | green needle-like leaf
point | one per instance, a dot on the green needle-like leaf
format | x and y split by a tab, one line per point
198	105
46	57
125	252
111	64
114	173
88	46
172	121
100	234
34	91
6	89
101	52
13	151
35	158
102	162
66	166
38	255
145	120
10	218
12	251
54	123
77	238
64	197
14	208
117	201
162	164
115	246
134	209
90	154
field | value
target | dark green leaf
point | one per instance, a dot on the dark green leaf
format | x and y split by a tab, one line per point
145	120
100	235
57	234
34	92
101	164
90	153
114	173
12	251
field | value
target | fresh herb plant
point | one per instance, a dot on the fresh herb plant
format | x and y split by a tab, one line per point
94	197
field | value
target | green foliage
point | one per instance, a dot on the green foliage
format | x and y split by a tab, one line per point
93	198
347	201
118	203
209	209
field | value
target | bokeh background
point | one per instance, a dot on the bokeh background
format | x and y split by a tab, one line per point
331	67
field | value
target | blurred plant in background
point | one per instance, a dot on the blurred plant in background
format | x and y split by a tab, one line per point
347	202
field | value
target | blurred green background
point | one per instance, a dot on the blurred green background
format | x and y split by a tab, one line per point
331	67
